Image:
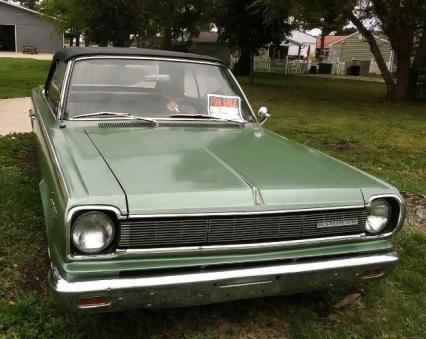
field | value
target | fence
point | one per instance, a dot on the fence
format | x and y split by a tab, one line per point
374	68
281	66
293	67
339	67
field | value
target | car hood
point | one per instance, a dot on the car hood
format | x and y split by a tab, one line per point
208	169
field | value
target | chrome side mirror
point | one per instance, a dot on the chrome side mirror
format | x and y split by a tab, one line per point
263	114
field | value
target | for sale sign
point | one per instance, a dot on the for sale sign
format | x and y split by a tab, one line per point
224	107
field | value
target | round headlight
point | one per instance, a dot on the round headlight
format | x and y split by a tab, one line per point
378	216
92	232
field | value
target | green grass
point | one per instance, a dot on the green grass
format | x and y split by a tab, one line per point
344	118
19	76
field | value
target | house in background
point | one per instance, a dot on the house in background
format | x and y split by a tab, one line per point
308	45
355	50
208	43
288	48
21	27
328	41
296	46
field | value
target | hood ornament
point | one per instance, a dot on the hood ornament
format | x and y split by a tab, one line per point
258	200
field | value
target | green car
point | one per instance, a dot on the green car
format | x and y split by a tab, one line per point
161	188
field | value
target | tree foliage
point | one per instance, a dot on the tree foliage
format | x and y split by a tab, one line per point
178	21
157	23
65	15
327	15
31	4
248	26
114	21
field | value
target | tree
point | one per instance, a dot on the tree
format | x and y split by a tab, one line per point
403	22
66	16
31	4
102	22
248	26
114	21
327	15
119	22
178	21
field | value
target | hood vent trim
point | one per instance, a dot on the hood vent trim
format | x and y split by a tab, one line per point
178	124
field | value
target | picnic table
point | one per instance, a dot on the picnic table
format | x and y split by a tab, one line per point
29	50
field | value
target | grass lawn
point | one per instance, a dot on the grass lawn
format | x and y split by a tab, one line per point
19	76
343	118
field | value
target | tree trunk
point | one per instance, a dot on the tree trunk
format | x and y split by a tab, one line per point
77	40
322	46
420	57
402	74
387	75
419	65
167	39
252	69
121	39
242	67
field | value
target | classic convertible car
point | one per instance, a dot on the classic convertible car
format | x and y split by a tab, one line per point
161	188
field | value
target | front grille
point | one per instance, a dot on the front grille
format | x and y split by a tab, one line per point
215	230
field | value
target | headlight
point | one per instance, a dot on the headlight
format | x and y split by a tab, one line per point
378	216
92	232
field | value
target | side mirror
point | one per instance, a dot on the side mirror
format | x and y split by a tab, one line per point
263	114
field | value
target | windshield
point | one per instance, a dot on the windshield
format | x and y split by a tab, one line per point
154	89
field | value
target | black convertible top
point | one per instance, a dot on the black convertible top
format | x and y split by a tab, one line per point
75	52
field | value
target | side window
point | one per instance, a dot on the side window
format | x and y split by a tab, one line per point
55	85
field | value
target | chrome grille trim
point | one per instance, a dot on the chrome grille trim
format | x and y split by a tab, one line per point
180	231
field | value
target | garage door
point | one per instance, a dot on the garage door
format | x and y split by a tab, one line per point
7	38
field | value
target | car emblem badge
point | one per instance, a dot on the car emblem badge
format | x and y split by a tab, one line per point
337	223
257	197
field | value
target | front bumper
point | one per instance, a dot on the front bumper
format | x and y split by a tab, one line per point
186	289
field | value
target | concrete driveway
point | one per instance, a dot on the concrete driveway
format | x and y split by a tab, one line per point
40	56
14	116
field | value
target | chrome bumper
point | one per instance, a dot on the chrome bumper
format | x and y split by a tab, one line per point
218	286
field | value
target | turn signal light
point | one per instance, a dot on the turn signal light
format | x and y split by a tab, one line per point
94	301
373	273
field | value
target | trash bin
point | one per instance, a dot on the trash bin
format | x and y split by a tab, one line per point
365	67
325	68
313	70
355	70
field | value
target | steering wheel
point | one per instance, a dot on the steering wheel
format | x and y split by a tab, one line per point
180	106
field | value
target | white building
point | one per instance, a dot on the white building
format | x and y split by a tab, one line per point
21	27
297	45
308	44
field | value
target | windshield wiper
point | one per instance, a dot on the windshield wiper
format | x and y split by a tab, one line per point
205	116
126	115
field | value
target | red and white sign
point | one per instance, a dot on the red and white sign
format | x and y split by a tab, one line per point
224	107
